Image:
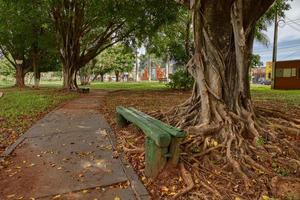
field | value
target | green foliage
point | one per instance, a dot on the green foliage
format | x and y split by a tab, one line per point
279	170
6	68
25	29
99	24
279	7
117	58
181	79
174	40
255	61
89	68
101	66
260	141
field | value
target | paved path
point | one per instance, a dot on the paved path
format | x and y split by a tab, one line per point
69	155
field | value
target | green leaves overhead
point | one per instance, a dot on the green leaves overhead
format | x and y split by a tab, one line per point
26	29
279	7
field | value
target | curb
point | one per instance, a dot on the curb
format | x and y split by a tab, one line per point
137	186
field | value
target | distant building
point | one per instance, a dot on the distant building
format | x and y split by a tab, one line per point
269	71
287	75
258	75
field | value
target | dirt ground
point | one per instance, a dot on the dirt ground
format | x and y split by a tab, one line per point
169	183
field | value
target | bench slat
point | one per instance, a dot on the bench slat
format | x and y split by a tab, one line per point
159	136
170	129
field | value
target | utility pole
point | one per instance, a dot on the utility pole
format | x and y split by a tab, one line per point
274	59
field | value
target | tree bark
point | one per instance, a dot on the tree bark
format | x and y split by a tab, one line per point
69	78
117	76
71	25
224	34
20	77
220	108
102	77
36	72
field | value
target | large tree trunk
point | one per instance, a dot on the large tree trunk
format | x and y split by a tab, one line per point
219	116
220	65
20	77
69	77
102	77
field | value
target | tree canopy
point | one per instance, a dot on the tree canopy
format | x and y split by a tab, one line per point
26	34
85	28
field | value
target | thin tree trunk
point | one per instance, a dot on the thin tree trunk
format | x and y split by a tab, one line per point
36	72
102	77
117	76
20	77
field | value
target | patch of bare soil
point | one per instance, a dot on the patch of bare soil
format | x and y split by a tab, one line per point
194	180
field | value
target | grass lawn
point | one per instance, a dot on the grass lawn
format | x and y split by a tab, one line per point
101	85
21	108
264	93
128	85
6	83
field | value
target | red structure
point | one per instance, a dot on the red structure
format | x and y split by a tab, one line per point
287	74
145	76
160	74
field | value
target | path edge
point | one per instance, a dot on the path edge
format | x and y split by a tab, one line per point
136	185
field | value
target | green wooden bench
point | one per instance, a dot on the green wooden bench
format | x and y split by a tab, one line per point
162	141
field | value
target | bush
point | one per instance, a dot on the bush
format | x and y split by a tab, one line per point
181	80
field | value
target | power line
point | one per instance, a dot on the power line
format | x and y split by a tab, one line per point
279	48
283	43
292	21
293	27
291	54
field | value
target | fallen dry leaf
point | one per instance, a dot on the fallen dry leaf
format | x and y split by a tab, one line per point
85	191
10	196
57	196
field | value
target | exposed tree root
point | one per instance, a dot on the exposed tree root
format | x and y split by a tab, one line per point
244	152
187	177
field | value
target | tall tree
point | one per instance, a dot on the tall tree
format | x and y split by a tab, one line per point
173	41
220	109
25	34
118	58
85	28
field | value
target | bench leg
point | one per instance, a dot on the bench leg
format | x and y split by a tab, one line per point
155	158
122	122
174	151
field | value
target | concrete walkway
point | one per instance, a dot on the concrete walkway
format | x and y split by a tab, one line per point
69	155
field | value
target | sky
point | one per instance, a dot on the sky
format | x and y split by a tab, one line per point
288	37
